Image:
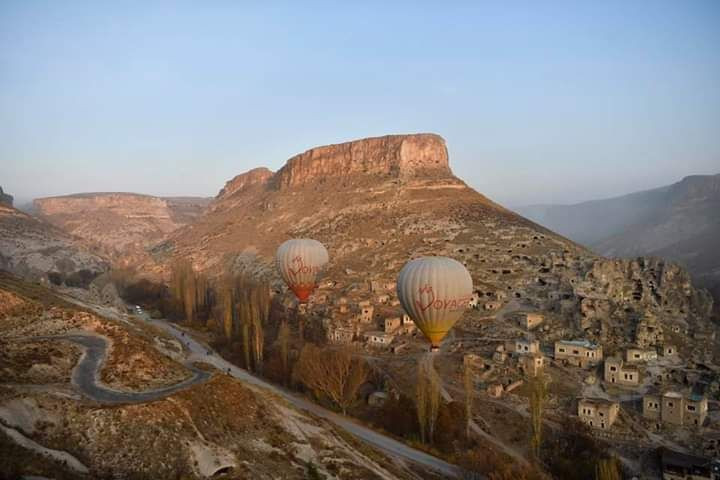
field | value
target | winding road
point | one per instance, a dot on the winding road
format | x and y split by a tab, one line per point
85	376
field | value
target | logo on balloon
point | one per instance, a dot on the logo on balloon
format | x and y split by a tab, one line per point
300	268
427	300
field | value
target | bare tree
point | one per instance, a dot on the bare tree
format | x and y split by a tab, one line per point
333	374
283	341
538	395
469	393
608	469
428	398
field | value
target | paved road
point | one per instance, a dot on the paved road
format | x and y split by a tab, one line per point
388	445
86	372
202	353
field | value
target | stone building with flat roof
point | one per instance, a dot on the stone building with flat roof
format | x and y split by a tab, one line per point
618	373
675	408
598	412
580	353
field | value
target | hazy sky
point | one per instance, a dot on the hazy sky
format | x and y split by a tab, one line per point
540	102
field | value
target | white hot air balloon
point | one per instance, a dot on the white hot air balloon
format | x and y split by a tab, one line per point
300	262
434	291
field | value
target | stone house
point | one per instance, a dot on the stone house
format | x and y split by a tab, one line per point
526	347
384	299
366	313
618	373
637	355
340	335
378	339
580	353
598	412
391	324
406	320
675	408
530	320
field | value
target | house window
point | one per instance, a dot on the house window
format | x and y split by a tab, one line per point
670	404
637	355
575	352
691	408
601	414
561	350
613	369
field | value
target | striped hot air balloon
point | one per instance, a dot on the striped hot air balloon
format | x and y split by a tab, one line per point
301	262
434	291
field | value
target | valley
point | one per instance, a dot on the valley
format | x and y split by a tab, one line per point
592	349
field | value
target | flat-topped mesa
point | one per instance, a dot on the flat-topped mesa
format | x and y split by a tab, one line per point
252	177
128	204
399	156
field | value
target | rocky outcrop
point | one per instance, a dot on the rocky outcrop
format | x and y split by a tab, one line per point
5	199
399	156
256	176
121	224
34	249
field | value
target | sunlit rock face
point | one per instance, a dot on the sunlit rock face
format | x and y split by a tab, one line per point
399	156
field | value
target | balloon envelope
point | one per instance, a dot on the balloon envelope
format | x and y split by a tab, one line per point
434	291
300	262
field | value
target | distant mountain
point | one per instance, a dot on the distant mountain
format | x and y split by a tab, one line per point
122	225
680	222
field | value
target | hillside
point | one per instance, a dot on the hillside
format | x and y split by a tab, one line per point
121	224
37	250
680	222
220	428
376	203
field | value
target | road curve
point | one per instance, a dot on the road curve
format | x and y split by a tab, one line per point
386	444
200	352
85	375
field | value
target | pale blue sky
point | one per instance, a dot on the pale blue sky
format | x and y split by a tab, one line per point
540	102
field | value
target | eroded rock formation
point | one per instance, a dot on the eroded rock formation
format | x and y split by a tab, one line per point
399	156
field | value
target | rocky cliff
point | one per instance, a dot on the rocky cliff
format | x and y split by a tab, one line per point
5	199
121	224
397	156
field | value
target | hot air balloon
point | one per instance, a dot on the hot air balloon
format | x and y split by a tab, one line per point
434	291
300	262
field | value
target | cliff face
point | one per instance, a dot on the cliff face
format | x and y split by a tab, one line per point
5	199
256	176
122	224
398	156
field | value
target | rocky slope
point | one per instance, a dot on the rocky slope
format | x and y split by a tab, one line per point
5	199
221	428
36	250
680	222
121	224
377	203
